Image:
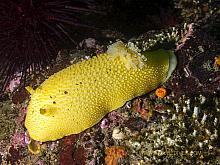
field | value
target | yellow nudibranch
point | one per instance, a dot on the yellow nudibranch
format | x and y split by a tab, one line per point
79	96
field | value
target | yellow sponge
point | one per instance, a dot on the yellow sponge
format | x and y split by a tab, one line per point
79	96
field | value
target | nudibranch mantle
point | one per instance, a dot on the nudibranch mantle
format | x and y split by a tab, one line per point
79	96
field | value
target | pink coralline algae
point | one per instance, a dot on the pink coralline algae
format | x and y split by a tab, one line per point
21	116
114	116
104	123
40	162
14	83
20	138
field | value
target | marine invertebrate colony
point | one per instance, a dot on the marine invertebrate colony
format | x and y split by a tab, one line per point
161	92
30	31
186	132
82	94
113	154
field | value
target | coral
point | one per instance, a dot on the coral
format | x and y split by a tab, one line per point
188	132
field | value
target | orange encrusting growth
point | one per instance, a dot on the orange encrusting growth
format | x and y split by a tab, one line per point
113	154
161	92
217	60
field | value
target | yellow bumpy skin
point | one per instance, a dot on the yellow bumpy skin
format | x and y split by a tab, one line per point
79	96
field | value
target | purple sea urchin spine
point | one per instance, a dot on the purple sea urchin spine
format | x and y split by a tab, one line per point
30	31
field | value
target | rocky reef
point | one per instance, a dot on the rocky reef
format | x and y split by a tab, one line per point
179	127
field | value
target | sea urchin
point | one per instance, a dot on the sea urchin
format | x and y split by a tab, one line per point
30	31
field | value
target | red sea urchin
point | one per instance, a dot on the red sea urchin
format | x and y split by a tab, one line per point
30	31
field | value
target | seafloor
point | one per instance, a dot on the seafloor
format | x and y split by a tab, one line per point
180	128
